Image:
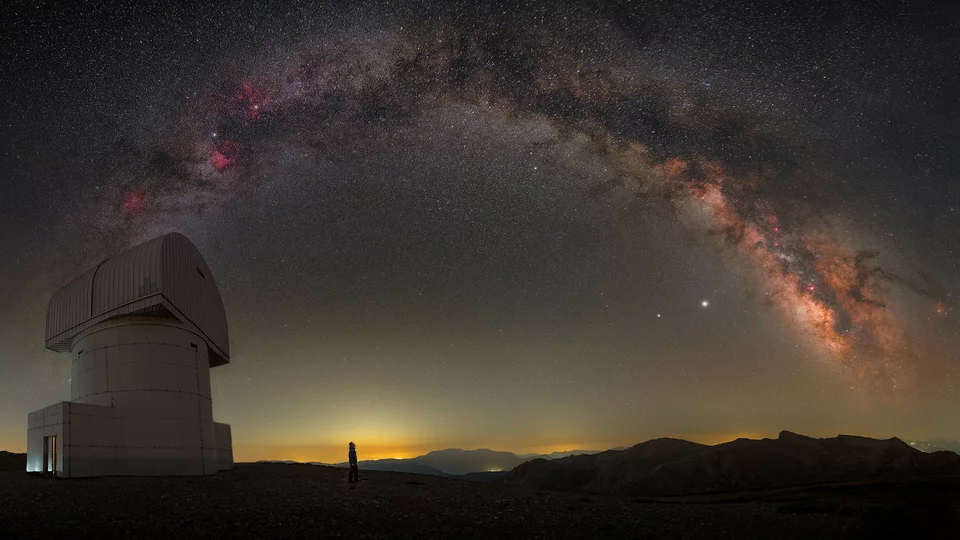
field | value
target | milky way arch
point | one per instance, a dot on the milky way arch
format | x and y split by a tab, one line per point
323	94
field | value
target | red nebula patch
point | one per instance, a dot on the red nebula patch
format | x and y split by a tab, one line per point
225	155
252	100
220	161
674	168
133	202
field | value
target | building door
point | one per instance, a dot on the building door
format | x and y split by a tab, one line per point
50	455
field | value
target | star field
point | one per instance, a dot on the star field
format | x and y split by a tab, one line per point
530	228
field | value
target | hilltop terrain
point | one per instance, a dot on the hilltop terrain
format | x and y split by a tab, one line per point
789	487
678	467
303	501
488	465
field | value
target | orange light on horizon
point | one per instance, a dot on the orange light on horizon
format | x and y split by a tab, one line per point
332	454
326	453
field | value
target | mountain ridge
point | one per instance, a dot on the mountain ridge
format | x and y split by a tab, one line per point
457	461
677	467
936	445
482	462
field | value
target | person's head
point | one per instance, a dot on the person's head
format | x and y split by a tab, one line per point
352	445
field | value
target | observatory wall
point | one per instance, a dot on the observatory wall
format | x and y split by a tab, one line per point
224	446
142	400
41	425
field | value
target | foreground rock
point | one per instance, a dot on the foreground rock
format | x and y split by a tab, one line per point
675	467
304	501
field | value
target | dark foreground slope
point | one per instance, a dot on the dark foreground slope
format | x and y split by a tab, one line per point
12	462
664	467
303	501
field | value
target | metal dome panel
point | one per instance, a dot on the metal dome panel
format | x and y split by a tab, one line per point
166	273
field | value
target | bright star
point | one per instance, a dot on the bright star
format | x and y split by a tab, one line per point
704	303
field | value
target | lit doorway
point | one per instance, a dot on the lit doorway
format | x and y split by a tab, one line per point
50	455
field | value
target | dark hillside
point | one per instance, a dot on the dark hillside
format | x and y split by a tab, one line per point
672	467
12	462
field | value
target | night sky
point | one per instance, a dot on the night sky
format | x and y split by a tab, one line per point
556	227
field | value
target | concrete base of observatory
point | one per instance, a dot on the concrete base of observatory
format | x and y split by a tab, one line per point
140	405
60	436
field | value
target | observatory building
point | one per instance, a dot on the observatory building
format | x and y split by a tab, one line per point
143	330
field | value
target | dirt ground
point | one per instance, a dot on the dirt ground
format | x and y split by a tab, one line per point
304	501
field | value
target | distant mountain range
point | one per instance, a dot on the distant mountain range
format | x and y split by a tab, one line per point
678	467
488	465
674	466
938	445
482	464
458	462
558	455
396	465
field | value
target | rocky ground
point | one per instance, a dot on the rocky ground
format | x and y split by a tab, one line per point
304	501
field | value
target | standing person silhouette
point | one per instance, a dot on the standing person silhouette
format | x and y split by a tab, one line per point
354	475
